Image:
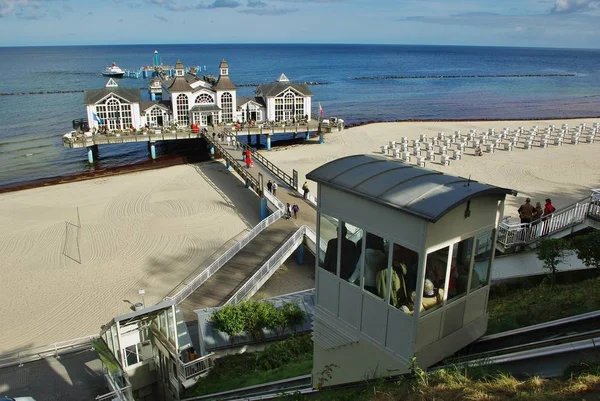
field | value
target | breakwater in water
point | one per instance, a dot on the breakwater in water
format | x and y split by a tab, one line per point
388	77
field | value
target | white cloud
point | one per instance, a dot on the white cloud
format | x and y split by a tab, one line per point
573	6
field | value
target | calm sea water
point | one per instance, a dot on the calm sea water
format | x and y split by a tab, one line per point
34	124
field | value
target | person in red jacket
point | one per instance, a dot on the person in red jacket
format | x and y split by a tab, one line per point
549	208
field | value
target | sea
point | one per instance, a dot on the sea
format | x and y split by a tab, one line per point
359	83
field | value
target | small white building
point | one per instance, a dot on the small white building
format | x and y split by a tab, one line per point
425	238
285	100
116	108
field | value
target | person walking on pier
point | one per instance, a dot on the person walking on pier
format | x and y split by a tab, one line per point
295	209
288	211
274	188
305	190
270	186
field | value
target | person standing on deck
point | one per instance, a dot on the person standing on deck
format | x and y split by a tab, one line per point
548	207
305	190
288	211
270	186
295	209
526	211
274	187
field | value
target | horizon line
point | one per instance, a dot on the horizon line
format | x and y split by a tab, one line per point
298	44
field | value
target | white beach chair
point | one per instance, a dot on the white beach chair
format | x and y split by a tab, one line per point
406	156
404	147
590	138
384	149
457	155
443	150
417	150
528	144
396	153
430	155
445	161
508	147
544	143
421	161
558	141
490	148
575	139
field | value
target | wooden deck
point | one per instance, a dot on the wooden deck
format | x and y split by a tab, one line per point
82	141
223	284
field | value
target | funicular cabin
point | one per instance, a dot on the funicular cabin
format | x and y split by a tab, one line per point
424	238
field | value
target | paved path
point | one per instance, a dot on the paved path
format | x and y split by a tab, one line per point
73	377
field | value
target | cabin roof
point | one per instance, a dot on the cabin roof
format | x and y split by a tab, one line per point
417	191
92	96
275	88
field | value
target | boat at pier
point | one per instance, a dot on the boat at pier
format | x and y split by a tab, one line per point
113	71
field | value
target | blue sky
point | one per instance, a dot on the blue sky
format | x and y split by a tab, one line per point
543	23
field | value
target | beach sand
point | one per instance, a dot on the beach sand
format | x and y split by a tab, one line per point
563	173
150	230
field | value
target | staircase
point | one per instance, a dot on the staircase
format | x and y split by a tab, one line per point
568	220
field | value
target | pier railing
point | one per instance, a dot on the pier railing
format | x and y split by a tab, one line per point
191	369
266	270
526	233
279	173
44	351
200	279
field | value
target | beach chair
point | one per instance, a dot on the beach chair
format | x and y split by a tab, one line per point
404	139
404	147
558	141
544	143
423	137
575	140
396	153
417	150
443	150
457	155
528	144
392	144
590	138
445	161
421	161
406	156
508	147
384	149
490	148
430	155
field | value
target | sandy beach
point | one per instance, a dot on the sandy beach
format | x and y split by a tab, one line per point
149	230
563	173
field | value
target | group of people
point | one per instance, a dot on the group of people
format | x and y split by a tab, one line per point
272	187
531	214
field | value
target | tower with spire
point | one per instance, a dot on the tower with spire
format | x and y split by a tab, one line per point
226	94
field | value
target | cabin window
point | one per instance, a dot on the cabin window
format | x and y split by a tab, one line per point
131	355
405	265
328	238
460	268
483	258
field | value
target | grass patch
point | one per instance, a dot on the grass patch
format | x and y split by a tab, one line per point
106	356
281	360
455	385
520	307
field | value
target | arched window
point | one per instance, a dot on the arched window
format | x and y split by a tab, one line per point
183	117
204	98
156	117
227	106
114	114
285	106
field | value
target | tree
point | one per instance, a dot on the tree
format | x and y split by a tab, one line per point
587	248
277	321
551	252
294	315
229	320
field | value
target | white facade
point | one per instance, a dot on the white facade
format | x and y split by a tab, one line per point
286	101
115	112
155	116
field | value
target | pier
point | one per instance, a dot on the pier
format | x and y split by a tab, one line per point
77	139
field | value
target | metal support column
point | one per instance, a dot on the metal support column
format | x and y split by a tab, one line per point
300	255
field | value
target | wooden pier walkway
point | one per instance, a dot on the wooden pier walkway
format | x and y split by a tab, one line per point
225	282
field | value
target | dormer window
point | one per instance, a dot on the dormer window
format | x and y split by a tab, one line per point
223	71
179	73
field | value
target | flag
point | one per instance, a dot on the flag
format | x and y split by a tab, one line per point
321	110
96	118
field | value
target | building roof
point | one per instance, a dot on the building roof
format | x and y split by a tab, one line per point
275	88
145	105
92	96
223	64
241	100
191	77
179	84
179	65
224	83
205	107
423	193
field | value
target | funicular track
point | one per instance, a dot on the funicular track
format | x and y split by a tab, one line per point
516	347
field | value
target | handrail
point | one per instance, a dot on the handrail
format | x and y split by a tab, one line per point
196	367
525	233
263	273
43	351
200	279
279	173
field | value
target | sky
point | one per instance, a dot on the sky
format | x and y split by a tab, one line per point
527	23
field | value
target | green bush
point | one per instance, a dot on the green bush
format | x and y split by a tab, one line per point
253	316
294	315
284	352
587	248
551	252
230	320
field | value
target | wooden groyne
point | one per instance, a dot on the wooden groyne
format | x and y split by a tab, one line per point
390	77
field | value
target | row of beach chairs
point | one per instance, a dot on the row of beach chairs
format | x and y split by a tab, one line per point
441	146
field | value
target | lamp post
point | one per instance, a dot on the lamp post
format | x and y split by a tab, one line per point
142	292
